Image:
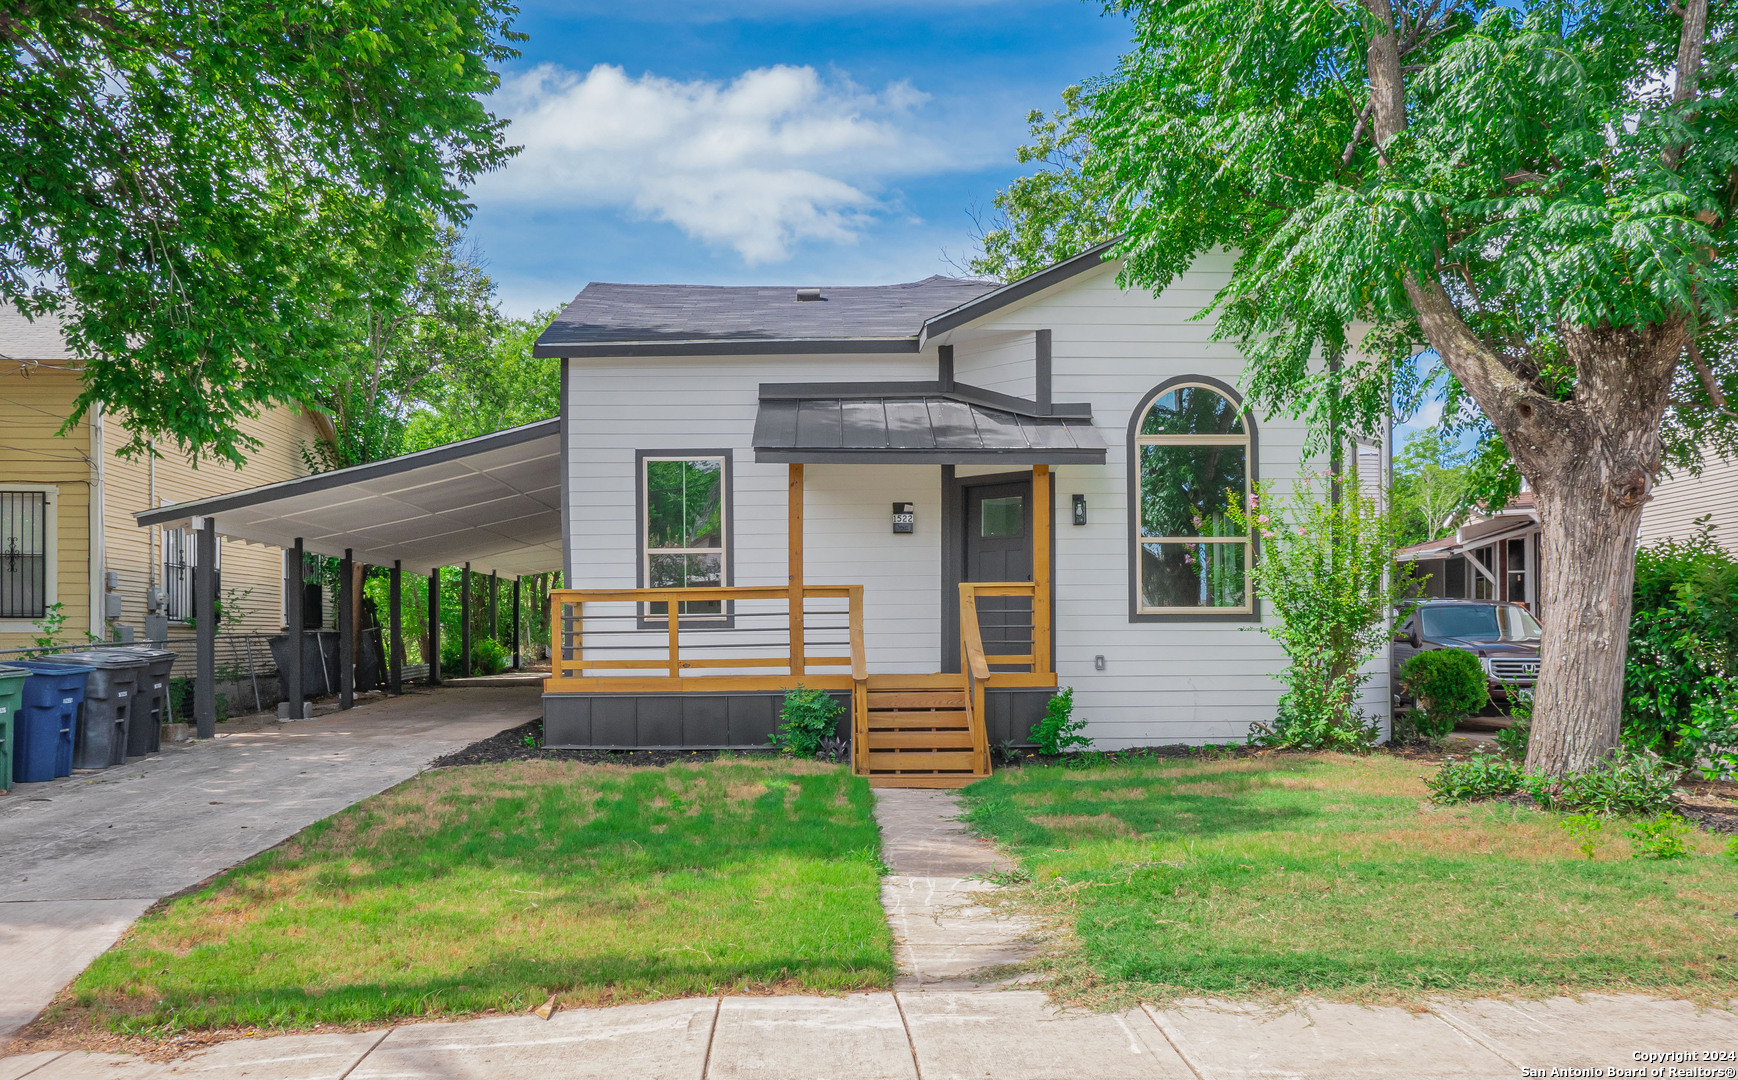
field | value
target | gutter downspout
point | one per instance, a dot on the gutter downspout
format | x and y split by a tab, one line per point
98	549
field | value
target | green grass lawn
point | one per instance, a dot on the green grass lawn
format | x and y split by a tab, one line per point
1335	876
492	887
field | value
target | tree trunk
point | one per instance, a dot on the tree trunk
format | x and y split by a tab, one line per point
1588	581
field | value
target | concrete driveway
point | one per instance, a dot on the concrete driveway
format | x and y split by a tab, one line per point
81	858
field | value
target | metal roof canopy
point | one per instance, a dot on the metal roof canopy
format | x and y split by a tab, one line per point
919	424
493	501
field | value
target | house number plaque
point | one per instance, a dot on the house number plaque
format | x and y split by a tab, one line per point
904	517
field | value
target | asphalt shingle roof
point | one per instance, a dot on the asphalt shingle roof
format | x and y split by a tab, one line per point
22	339
606	313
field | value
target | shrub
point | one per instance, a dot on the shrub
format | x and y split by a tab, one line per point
808	717
1059	732
1659	837
1513	739
489	657
450	654
1484	775
1681	673
1626	783
1732	848
1327	571
1448	685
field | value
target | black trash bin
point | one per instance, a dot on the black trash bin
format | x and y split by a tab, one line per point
109	697
151	711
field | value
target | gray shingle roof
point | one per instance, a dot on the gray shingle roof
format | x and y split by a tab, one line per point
608	314
21	339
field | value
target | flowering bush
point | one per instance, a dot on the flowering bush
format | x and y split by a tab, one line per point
1325	570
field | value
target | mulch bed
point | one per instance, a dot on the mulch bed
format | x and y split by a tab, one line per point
525	743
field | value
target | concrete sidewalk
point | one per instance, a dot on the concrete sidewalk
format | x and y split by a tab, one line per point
961	1035
81	858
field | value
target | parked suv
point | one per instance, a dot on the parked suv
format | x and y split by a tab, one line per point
1504	637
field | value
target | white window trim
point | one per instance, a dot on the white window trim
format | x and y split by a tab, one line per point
51	526
1141	539
726	479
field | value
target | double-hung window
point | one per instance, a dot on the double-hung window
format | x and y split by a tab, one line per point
23	554
1190	451
684	525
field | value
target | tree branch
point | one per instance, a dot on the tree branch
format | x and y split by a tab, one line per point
1709	384
1689	69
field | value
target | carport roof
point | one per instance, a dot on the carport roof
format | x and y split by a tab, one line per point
493	501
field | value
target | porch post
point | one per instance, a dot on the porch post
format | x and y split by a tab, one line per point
295	585
495	605
465	621
1043	520
395	644
515	622
794	529
205	622
346	631
434	627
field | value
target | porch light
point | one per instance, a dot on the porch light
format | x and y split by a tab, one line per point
1080	509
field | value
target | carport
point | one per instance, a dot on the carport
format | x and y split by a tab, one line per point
491	504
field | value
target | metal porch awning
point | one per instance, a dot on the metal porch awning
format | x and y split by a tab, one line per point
493	501
930	428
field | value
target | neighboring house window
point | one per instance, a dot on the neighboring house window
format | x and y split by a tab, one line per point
1190	451
1517	570
180	561
684	526
1484	585
23	554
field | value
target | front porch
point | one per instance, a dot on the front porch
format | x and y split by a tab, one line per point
626	674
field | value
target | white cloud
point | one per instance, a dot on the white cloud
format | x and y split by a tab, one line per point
770	159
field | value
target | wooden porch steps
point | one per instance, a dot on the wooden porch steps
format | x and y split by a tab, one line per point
920	733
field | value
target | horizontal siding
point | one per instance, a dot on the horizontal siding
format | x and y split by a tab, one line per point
32	452
1679	500
1162	683
251	569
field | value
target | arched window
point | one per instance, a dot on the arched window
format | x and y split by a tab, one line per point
1191	448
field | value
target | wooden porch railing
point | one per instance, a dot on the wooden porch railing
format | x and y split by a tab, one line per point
722	638
982	669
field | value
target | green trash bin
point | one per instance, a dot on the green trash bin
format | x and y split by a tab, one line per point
11	699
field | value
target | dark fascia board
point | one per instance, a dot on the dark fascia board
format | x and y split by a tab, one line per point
727	347
969	395
1015	291
217	504
878	456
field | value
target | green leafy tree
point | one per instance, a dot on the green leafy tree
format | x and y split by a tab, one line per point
1542	192
208	192
511	388
405	348
1431	490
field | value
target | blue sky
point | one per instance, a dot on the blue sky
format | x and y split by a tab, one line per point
766	141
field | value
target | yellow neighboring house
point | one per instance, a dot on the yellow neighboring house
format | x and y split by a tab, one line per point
67	503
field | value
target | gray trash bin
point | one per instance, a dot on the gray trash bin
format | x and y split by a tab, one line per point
151	712
109	697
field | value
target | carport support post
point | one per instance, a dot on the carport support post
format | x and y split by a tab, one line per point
346	631
465	621
495	605
205	619
434	627
295	583
515	622
395	644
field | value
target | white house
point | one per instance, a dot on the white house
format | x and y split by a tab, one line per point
902	444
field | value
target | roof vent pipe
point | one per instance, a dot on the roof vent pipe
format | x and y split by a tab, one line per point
809	294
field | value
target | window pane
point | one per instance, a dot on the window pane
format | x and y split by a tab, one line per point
1192	575
1192	410
685	504
1002	517
686	572
23	554
1184	489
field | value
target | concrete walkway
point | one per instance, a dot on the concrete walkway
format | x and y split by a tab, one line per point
81	858
964	1035
942	934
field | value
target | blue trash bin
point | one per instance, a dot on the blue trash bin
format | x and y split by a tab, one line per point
48	720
